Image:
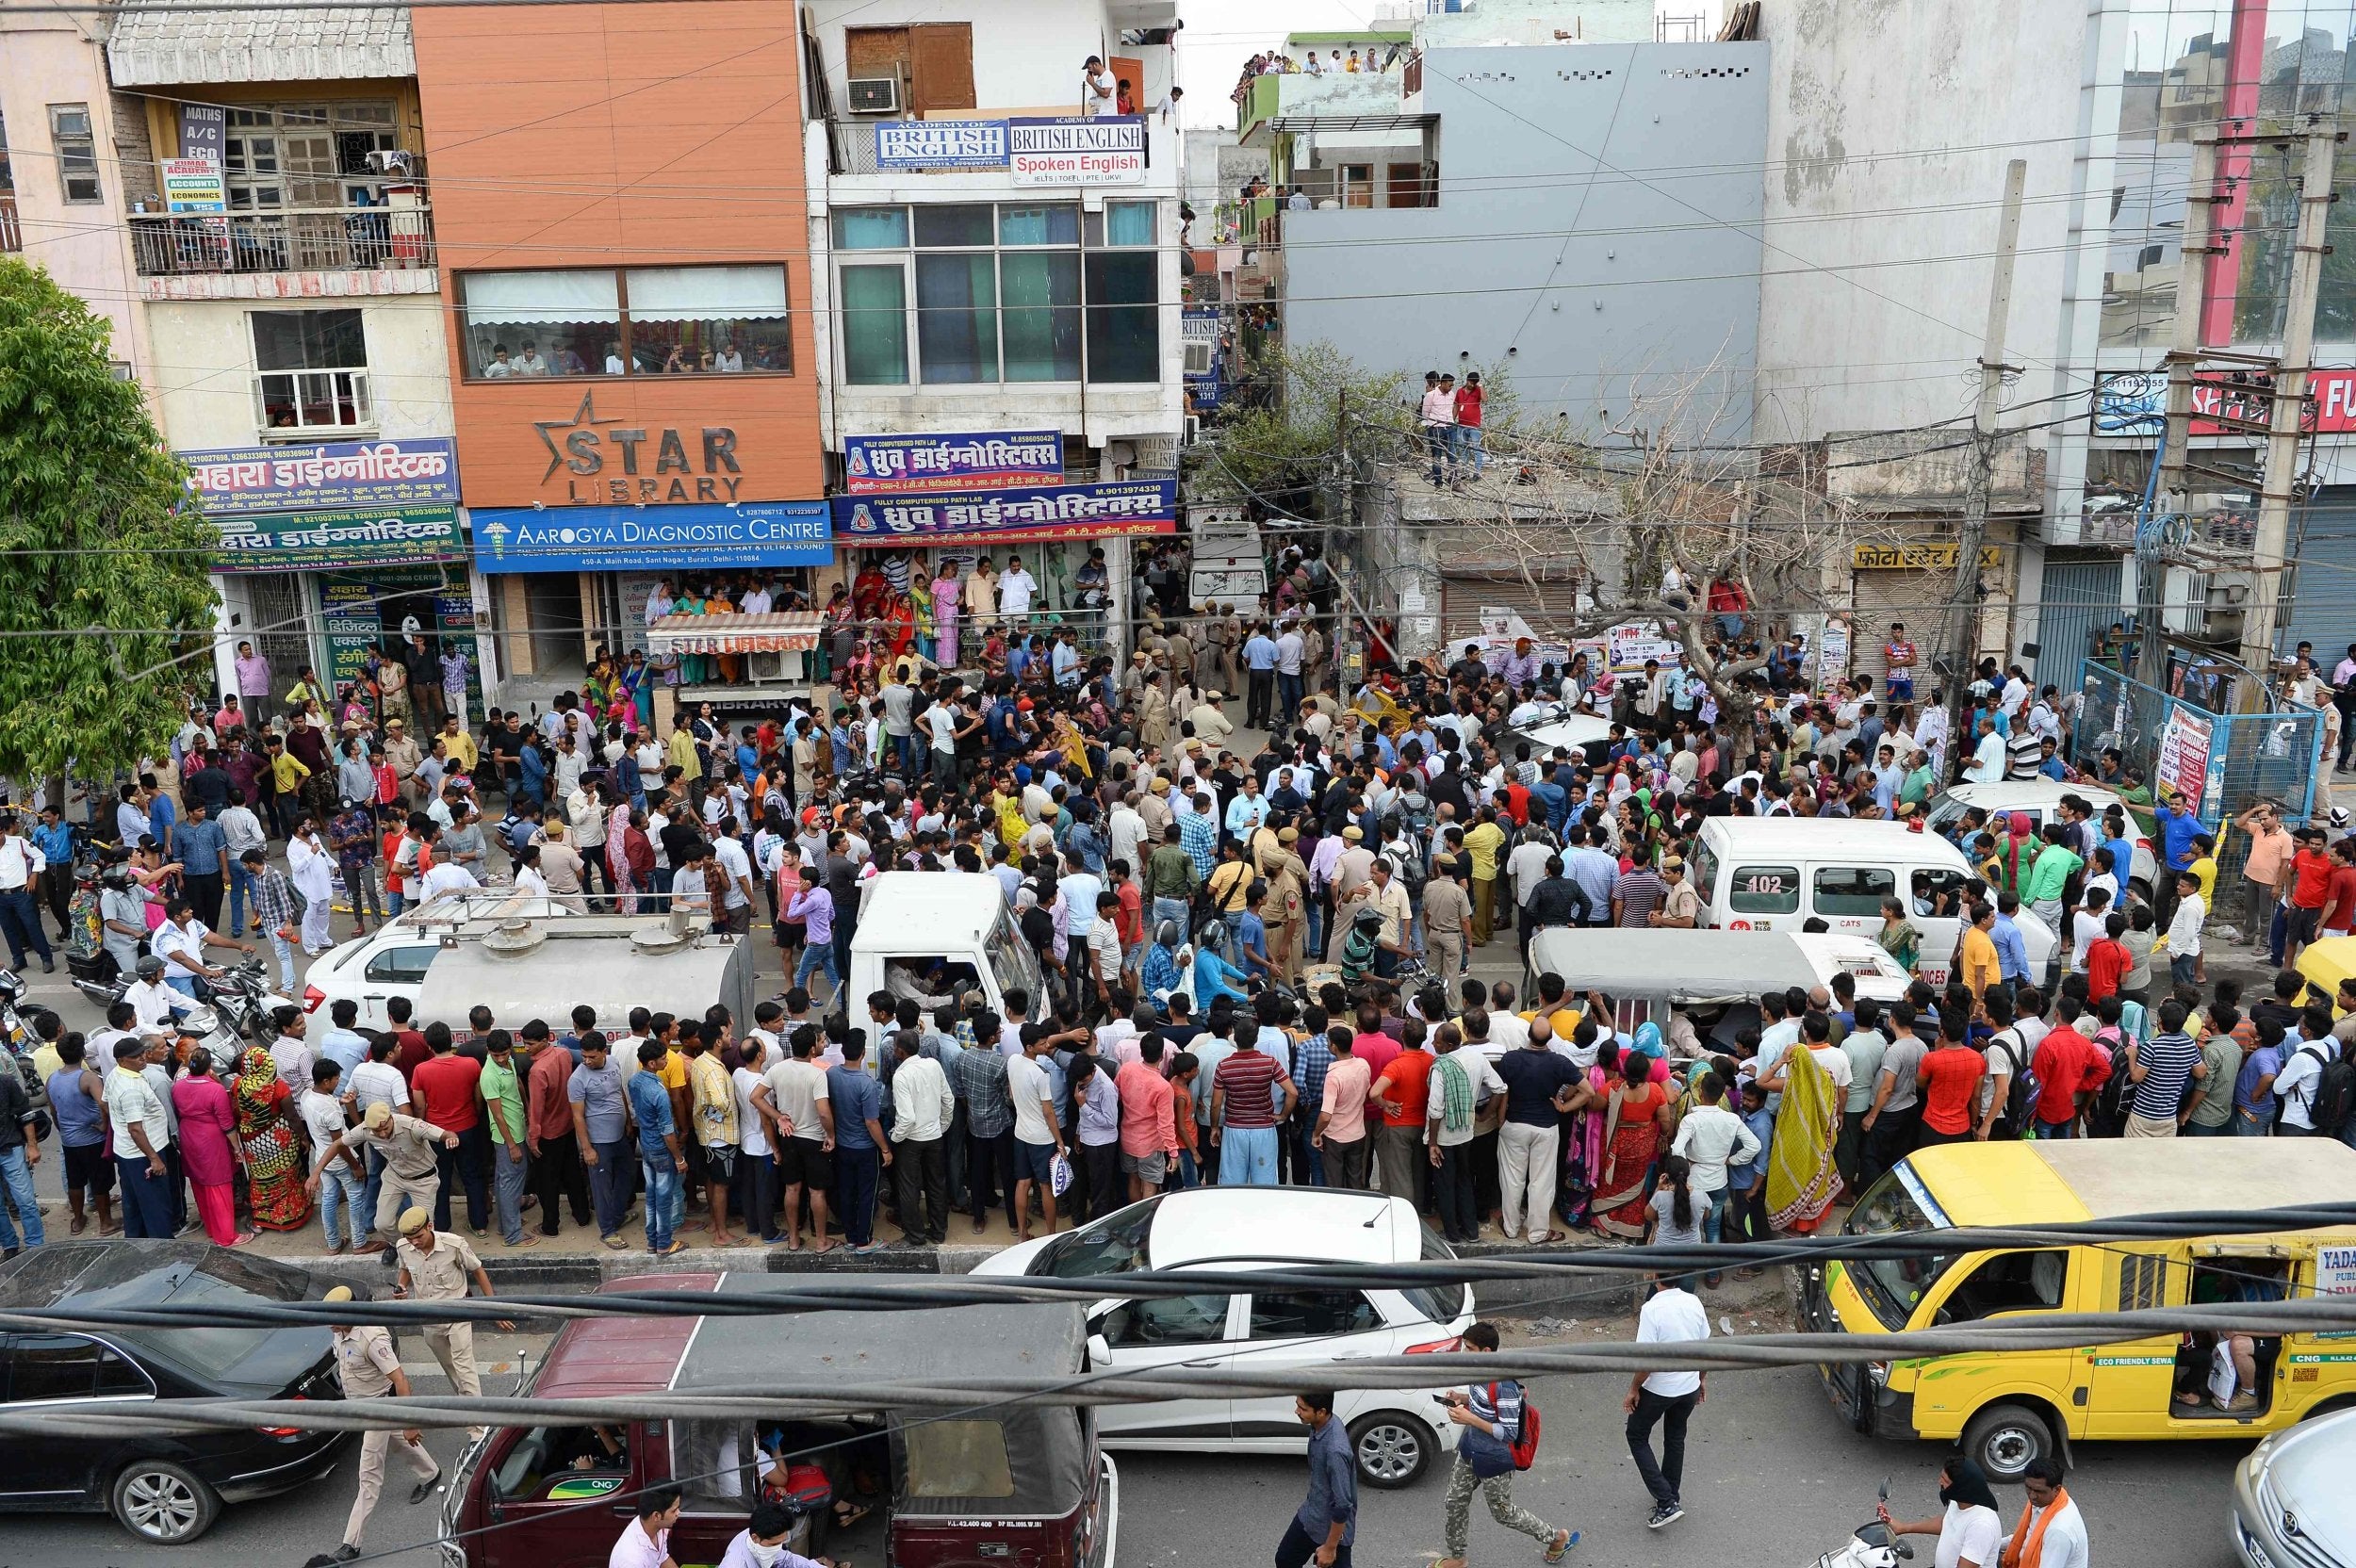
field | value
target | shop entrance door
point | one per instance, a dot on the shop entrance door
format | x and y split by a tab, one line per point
553	600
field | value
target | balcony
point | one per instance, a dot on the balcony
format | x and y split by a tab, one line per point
1363	100
252	255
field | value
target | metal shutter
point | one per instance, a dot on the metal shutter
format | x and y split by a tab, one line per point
2323	583
1920	599
1552	609
2079	598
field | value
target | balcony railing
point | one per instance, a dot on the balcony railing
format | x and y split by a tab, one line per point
11	234
301	240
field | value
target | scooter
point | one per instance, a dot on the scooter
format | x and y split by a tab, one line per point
1872	1545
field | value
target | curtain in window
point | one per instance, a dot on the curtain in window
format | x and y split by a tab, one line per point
1041	315
706	293
956	317
875	326
1123	335
870	228
1058	225
1128	222
533	296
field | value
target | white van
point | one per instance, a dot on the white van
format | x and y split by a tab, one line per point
1772	873
946	931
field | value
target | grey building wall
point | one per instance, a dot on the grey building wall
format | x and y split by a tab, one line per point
1596	234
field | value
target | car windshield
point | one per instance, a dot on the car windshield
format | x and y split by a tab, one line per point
1947	808
1114	1245
1437	1301
1893	1287
222	1279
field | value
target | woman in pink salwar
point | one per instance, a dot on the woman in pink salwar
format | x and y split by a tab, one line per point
946	599
208	1147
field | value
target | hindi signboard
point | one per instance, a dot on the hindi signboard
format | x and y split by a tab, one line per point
2183	767
1009	514
883	464
407	471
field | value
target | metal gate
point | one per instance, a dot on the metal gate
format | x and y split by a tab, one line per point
2077	600
280	625
1918	600
2323	580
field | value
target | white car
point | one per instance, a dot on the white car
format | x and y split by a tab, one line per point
1395	1433
2040	799
392	959
2291	1502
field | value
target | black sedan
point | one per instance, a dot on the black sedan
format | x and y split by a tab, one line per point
166	1488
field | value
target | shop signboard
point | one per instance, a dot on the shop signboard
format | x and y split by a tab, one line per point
2184	768
403	471
2236	402
1108	150
193	184
940	144
357	613
328	540
1009	514
881	464
349	618
714	537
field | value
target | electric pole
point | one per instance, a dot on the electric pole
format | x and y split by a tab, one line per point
1964	609
2175	454
2290	400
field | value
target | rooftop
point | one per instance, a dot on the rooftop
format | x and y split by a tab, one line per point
171	42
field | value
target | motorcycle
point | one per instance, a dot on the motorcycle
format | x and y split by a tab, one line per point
1872	1545
18	1039
226	1014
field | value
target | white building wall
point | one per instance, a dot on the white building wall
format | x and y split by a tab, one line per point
205	379
85	247
1874	292
1025	56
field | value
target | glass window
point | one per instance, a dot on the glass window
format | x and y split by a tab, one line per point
957	1458
1894	1287
709	319
76	146
2007	1282
1056	225
1128	222
939	227
68	1366
957	317
1113	1245
1706	872
1938	893
1307	1312
399	966
1765	890
713	1461
1854	889
1124	329
311	370
875	326
870	228
1040	316
1166	1320
533	323
1440	1302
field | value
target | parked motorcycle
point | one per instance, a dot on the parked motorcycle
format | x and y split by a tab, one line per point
226	1014
18	1038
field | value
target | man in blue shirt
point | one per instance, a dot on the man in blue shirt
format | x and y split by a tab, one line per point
202	848
55	841
343	1044
2178	829
1326	1522
2012	949
859	1151
1259	660
658	1146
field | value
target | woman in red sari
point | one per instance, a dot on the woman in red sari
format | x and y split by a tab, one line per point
1638	1122
268	1138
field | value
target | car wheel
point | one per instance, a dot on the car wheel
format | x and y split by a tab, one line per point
2004	1439
160	1502
1392	1449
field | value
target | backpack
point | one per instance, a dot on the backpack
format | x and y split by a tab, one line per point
2107	1115
1416	809
1525	1443
2332	1097
2021	1098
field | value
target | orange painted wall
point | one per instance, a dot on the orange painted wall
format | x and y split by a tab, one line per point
621	135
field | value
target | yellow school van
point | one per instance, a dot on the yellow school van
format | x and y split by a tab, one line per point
2008	1409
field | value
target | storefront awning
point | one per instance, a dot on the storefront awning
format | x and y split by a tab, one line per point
782	631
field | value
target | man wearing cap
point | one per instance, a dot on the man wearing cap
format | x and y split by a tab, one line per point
1681	905
437	1266
369	1367
405	1147
405	756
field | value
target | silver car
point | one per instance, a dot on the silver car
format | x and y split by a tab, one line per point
2292	1506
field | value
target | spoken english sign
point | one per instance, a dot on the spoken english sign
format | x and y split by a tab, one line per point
1108	150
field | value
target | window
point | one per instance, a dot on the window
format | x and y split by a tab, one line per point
2009	1281
1312	1312
1938	893
76	146
281	157
1114	1245
713	1461
957	1458
639	321
1440	1302
1854	889
1166	1320
986	295
311	370
68	1366
1705	873
1765	890
399	966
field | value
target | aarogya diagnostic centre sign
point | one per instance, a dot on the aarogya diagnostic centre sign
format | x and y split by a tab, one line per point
652	538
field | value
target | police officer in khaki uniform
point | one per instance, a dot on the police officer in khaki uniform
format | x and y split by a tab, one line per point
435	1265
407	1146
369	1367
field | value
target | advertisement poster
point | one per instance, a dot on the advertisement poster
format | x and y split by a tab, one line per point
349	618
194	184
411	471
1010	515
1108	150
2184	756
940	144
885	465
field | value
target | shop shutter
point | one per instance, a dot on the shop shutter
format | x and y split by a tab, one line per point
1918	599
2078	599
1552	608
2323	584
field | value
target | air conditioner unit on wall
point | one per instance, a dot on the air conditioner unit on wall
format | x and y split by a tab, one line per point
873	94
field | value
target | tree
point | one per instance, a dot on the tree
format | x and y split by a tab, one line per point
103	555
1283	452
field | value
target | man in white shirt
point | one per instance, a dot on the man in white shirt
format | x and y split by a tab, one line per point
448	877
153	1002
141	1133
1096	90
2054	1522
738	867
1988	755
1711	1138
1666	1398
1015	589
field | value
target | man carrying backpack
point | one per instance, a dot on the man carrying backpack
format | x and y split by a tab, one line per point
1500	1437
2315	1087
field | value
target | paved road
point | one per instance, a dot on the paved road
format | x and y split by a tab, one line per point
1772	1478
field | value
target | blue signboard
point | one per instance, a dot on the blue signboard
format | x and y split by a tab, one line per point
1008	516
716	537
880	464
940	144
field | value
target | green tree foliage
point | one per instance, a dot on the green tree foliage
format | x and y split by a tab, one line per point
96	530
1284	453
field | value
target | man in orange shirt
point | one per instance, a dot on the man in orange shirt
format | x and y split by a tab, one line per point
1948	1078
1149	1137
1401	1092
1981	967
